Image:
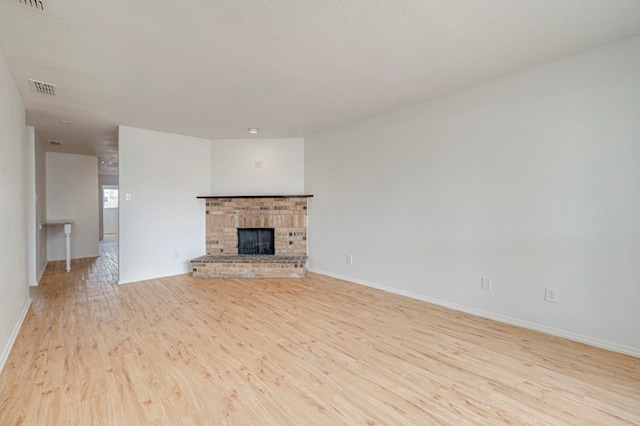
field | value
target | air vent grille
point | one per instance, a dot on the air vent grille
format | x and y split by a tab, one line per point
34	4
54	143
43	88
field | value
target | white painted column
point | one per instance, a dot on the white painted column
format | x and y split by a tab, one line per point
67	244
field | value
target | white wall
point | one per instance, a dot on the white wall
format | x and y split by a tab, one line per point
71	194
234	170
163	226
36	206
14	290
110	225
532	179
41	207
32	224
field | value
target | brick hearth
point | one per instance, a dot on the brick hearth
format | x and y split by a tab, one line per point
249	266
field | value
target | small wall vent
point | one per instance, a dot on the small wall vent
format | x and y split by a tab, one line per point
34	4
42	87
54	143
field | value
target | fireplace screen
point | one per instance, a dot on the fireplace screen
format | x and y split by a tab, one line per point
255	241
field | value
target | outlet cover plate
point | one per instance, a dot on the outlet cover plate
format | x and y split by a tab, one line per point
551	294
486	284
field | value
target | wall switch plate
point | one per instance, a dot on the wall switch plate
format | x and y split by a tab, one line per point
127	196
349	258
551	294
258	164
486	284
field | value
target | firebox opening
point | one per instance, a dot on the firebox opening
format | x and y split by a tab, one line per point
256	241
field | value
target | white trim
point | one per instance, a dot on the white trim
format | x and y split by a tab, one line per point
604	344
41	273
14	335
154	276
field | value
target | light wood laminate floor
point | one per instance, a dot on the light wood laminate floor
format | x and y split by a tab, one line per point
314	351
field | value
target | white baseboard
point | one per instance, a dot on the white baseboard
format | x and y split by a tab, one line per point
604	344
136	279
14	335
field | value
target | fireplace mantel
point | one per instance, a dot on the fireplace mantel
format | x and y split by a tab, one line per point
255	196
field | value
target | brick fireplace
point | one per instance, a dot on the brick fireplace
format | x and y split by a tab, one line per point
285	214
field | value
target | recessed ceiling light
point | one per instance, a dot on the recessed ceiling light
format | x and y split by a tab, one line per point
253	130
64	122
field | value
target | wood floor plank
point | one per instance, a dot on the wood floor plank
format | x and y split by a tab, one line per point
178	350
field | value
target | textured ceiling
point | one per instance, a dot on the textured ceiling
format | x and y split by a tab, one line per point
213	68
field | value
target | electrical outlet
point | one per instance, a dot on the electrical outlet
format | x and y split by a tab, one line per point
486	284
551	294
176	254
349	258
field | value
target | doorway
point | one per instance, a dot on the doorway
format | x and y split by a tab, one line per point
109	242
110	210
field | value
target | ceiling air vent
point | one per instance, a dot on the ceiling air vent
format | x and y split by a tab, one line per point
54	143
42	87
34	4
